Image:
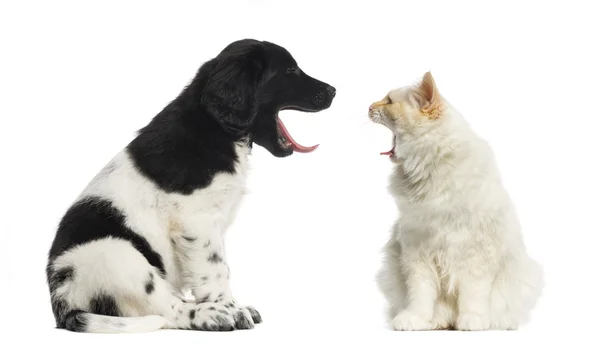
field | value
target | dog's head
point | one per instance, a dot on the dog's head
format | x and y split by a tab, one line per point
247	85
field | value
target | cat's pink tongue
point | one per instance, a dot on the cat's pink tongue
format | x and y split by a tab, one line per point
391	152
295	145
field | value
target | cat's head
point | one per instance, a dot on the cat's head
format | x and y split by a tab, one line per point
409	111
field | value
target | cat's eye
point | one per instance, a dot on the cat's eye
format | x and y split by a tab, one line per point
292	70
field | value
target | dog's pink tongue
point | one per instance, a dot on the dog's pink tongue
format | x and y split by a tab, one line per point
295	146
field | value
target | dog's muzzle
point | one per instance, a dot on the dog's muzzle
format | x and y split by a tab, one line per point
324	96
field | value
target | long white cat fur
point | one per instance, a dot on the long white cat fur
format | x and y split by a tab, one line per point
456	257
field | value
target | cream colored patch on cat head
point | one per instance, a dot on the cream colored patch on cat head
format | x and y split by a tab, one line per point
407	109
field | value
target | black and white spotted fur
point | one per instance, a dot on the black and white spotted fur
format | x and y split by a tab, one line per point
151	223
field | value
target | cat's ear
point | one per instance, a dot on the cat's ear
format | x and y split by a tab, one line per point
429	97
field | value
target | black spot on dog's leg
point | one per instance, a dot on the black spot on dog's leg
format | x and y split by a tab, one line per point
214	258
104	304
149	287
205	299
192	314
150	284
212	308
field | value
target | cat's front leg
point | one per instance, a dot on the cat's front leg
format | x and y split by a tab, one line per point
473	301
201	254
422	293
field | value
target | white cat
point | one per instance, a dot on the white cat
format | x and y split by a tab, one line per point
456	258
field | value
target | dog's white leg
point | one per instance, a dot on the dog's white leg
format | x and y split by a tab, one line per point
201	254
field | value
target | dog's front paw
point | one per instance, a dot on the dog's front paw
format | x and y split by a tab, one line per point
256	317
245	317
407	320
211	317
472	322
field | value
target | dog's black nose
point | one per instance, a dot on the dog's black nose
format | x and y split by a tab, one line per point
331	91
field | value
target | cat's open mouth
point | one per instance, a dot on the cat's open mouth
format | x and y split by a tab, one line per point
392	151
286	141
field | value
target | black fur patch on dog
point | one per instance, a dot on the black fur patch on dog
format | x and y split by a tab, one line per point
214	258
57	278
75	321
60	308
233	97
150	284
94	218
104	305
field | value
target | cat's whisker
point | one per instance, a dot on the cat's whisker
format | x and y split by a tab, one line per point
367	122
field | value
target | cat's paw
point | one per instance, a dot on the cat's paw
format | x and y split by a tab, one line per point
472	322
506	325
409	321
442	316
440	323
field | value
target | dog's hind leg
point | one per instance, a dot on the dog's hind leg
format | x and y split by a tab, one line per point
92	292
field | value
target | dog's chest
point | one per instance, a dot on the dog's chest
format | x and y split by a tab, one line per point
215	205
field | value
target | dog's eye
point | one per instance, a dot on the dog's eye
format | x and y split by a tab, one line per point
292	70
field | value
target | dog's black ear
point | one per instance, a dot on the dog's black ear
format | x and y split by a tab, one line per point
230	93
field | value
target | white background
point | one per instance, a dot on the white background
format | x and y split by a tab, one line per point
77	79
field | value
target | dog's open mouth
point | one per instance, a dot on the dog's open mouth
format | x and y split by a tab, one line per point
286	141
392	151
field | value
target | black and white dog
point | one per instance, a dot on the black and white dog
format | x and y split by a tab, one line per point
151	223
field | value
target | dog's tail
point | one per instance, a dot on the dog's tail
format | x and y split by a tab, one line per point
85	322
